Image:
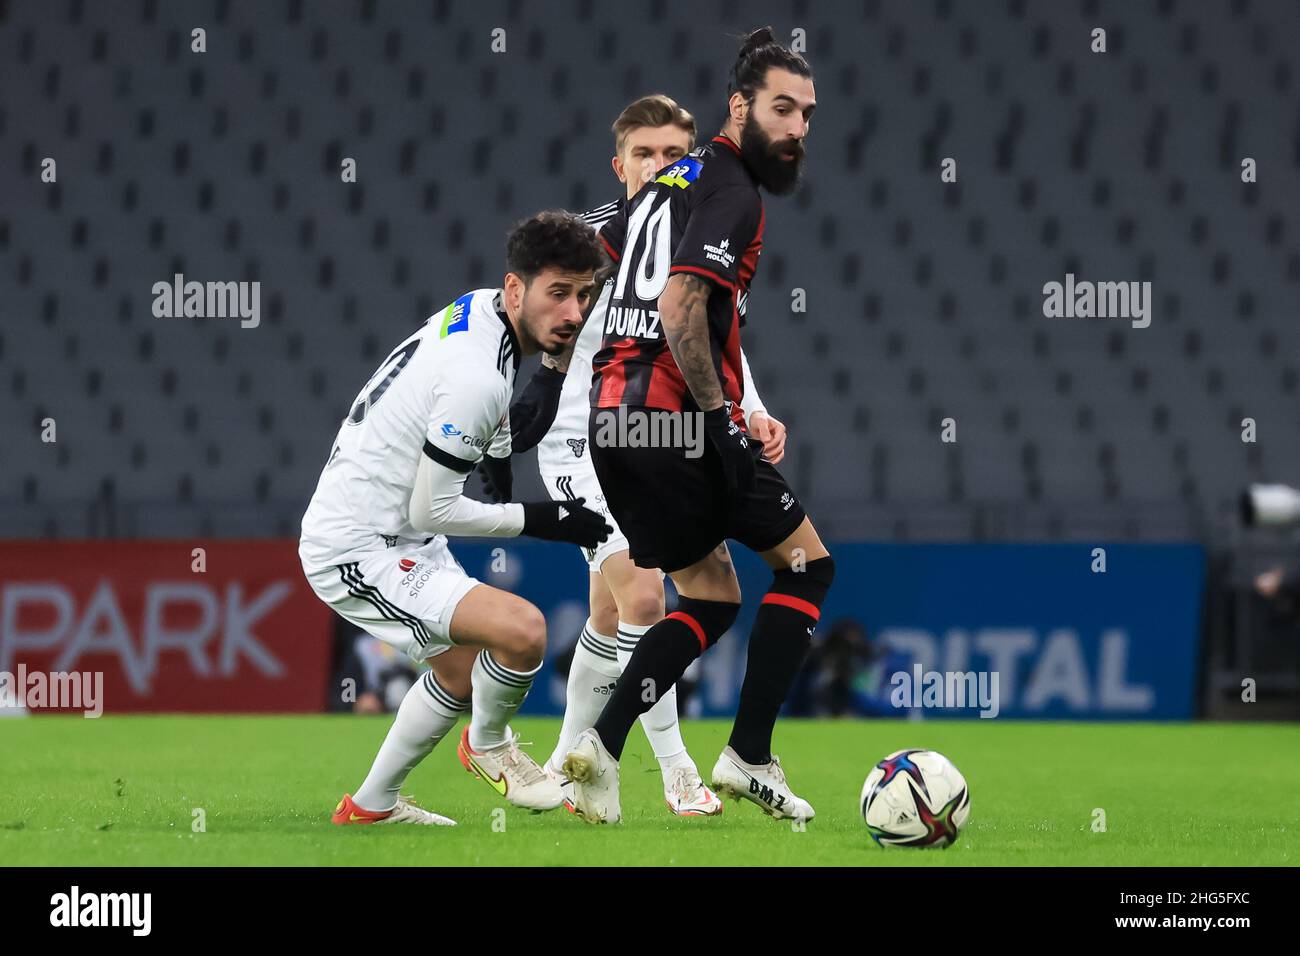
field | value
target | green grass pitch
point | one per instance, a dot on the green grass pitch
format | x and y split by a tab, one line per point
124	791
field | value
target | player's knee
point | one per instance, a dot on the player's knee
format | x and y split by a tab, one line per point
707	620
526	636
808	582
643	602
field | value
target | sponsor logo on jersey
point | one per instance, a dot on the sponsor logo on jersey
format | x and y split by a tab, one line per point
719	253
456	317
682	174
449	430
787	500
417	575
473	442
578	446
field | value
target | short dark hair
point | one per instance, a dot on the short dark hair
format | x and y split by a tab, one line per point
759	52
554	238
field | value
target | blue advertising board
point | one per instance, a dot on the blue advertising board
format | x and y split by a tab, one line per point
1027	631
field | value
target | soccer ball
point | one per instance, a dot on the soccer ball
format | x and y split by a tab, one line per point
915	798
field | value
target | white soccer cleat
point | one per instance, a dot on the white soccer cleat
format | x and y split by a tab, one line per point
564	783
686	794
763	784
595	779
347	812
511	773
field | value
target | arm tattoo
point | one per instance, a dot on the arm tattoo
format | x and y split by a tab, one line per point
686	326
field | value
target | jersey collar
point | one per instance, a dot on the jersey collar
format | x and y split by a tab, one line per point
726	142
498	306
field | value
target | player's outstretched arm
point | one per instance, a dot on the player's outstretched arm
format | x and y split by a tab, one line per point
438	507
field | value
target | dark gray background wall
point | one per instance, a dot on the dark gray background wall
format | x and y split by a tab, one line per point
924	299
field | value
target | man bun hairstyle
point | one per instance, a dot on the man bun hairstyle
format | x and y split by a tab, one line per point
759	52
650	112
554	238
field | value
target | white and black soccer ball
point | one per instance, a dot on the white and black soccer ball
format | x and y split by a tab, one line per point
915	798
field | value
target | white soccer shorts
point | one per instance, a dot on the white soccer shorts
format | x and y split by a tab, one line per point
578	480
404	596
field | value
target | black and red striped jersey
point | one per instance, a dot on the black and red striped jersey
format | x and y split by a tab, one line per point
703	216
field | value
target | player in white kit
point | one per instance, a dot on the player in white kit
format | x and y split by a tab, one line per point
373	540
625	600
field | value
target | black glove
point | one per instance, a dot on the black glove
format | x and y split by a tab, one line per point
565	521
498	479
734	448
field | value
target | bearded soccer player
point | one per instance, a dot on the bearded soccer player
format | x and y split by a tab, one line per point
650	134
685	249
374	543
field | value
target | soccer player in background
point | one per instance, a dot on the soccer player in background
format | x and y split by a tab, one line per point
374	545
686	248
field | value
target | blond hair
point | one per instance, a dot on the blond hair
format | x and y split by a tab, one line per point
651	111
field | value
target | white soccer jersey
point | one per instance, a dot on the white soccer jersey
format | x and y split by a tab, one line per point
445	392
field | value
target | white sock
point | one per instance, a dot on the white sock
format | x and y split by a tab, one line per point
592	676
660	721
427	713
498	692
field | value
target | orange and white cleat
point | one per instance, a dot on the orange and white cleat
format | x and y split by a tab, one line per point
347	812
686	794
511	773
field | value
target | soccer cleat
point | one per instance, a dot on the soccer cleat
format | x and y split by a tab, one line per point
347	812
511	773
565	784
687	796
595	779
763	784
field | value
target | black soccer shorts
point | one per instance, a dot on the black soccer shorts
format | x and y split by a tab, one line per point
675	509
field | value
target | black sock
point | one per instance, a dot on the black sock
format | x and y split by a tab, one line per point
661	656
777	647
778	644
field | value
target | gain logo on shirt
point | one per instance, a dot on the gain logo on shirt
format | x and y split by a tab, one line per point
456	316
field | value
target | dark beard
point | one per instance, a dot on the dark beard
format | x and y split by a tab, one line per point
778	176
